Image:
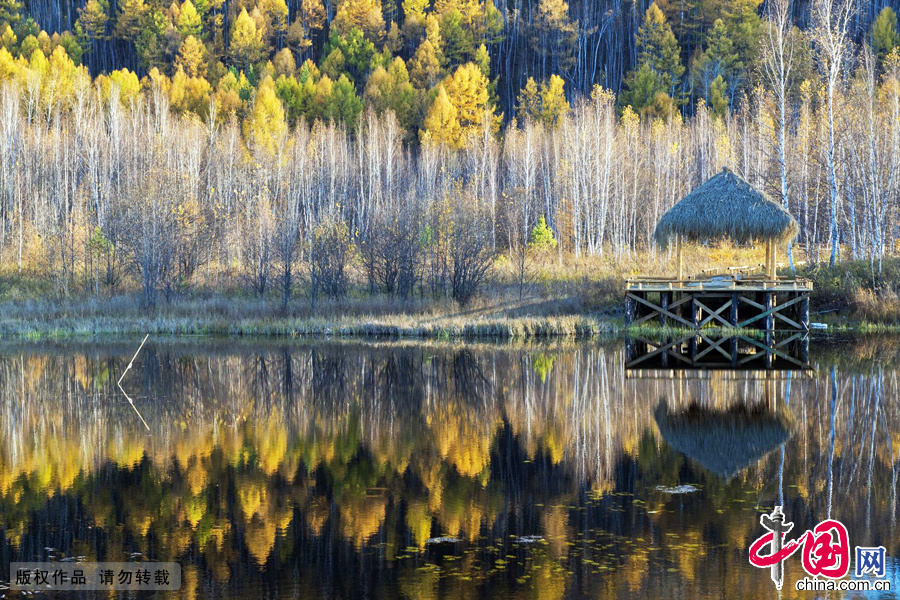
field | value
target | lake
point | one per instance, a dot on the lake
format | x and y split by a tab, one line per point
343	469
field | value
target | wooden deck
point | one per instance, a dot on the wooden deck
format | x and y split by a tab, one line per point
725	301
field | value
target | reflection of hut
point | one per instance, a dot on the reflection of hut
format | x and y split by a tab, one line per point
725	206
724	442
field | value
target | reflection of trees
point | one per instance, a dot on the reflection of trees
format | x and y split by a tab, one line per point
300	455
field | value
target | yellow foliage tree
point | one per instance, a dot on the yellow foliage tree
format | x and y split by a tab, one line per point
425	68
467	90
365	15
188	21
247	45
442	122
265	127
192	57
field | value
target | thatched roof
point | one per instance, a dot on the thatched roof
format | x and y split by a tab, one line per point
726	206
724	442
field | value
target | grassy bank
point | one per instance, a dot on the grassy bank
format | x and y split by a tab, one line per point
566	297
241	317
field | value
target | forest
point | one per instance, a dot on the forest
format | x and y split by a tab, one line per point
416	148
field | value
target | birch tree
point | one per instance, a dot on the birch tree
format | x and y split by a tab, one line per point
831	35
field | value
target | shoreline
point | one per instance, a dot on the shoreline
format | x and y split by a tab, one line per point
580	327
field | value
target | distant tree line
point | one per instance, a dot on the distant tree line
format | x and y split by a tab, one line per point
272	176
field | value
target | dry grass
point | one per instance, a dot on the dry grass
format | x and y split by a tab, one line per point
570	297
877	306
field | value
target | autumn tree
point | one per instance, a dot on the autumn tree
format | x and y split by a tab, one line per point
247	47
442	121
546	104
192	57
884	33
659	68
390	89
265	128
362	15
554	36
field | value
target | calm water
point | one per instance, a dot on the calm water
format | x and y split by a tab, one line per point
327	469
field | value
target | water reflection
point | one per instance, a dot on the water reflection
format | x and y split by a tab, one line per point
704	351
325	469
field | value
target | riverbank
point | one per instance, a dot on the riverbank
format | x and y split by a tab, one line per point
241	318
580	300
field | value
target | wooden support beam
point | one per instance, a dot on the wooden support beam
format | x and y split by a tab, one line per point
770	310
678	257
656	309
766	313
714	314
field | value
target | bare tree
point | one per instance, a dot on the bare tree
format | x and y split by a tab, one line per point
832	23
778	56
327	256
470	250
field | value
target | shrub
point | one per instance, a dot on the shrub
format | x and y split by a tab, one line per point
471	253
329	250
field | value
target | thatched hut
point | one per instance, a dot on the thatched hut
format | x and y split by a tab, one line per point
725	442
727	206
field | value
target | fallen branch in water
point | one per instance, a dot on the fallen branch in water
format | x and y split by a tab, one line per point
119	383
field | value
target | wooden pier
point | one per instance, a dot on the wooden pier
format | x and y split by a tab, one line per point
754	303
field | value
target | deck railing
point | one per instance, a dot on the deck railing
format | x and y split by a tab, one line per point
721	283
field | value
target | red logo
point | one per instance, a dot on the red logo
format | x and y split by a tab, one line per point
826	548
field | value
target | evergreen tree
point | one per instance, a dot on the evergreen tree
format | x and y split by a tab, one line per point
343	104
884	33
659	67
718	62
10	12
554	35
658	49
356	51
92	18
130	20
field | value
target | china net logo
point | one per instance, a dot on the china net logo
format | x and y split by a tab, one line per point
825	556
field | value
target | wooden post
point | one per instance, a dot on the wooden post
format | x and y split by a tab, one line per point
770	304
774	261
804	349
678	256
664	304
696	313
769	259
734	309
629	310
804	312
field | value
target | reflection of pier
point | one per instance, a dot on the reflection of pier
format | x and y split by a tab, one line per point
699	351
